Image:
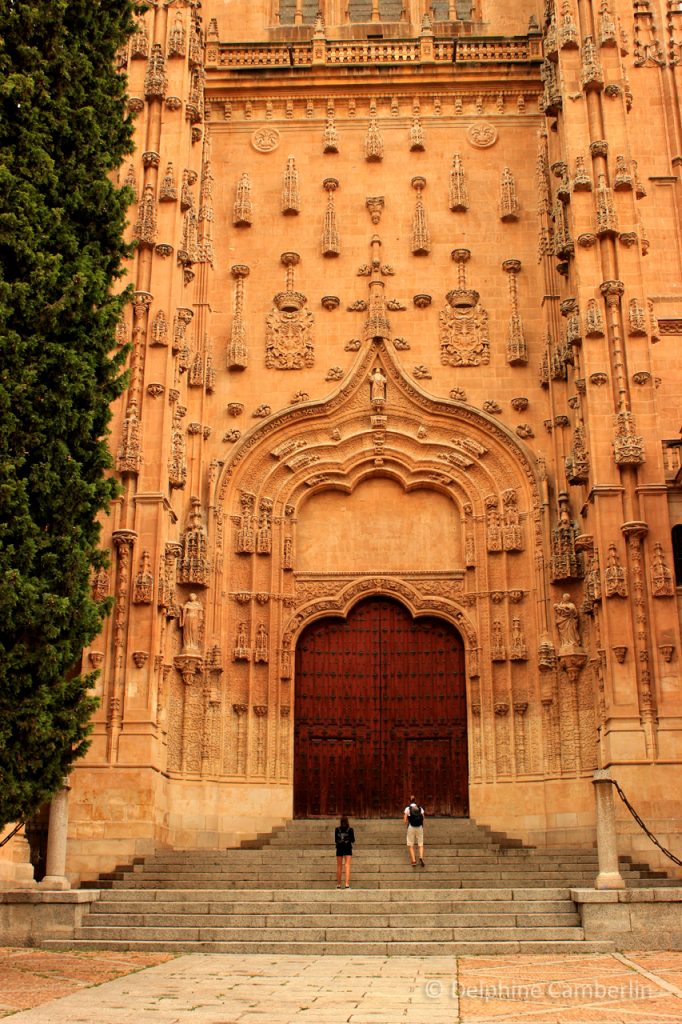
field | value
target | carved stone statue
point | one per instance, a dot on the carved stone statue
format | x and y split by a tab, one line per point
191	619
377	385
566	618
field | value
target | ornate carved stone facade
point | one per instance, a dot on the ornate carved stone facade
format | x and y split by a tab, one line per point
426	459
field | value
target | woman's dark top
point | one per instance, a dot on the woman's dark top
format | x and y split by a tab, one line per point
344	839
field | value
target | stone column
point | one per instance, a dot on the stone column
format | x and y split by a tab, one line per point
55	877
609	876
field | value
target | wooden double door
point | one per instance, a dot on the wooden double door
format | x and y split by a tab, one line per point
380	713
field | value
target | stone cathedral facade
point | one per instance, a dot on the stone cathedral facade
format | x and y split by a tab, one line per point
405	368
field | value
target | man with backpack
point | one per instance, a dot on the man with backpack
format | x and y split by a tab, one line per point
414	819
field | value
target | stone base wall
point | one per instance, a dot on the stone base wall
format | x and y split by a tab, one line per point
117	814
561	812
632	918
16	870
29	918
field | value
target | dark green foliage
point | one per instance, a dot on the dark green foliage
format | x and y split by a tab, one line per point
62	132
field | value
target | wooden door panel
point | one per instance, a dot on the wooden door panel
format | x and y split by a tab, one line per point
380	711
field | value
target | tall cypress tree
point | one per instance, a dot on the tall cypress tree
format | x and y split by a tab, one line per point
63	131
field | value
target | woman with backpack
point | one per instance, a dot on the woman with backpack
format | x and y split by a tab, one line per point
414	819
344	837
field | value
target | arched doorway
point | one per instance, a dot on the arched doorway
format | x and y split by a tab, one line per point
380	712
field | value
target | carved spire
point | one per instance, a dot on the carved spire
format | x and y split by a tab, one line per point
606	26
291	199
194	564
330	139
331	246
594	322
205	218
374	143
591	75
421	239
131	182
177	37
607	223
459	196
168	192
509	203
177	459
417	141
237	351
155	80
615	584
145	229
568	32
517	350
566	560
661	576
243	210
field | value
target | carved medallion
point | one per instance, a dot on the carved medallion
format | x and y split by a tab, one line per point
265	140
482	135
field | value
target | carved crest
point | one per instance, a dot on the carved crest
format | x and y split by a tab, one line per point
464	337
289	339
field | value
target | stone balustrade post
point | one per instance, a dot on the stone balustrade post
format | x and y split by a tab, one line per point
609	876
55	876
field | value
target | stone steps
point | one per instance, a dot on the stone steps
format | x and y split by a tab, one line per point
355	948
479	893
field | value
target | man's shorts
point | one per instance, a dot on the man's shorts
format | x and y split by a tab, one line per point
415	835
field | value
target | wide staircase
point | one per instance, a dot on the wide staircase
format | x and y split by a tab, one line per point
478	893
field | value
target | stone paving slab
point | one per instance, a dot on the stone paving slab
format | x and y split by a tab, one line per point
637	988
29	977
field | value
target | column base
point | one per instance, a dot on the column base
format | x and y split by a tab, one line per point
609	880
55	882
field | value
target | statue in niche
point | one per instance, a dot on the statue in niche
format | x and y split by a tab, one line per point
566	618
191	619
377	385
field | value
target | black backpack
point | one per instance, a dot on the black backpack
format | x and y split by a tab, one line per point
416	818
342	837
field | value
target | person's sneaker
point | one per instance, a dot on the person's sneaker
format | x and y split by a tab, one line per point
338	887
347	887
421	861
414	863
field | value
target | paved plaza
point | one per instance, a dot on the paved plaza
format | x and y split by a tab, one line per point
38	987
